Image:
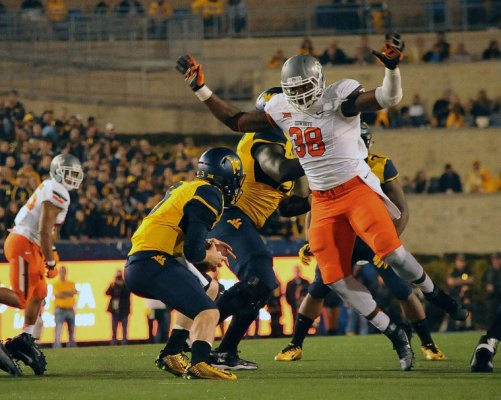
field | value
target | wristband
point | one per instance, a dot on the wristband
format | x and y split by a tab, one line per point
50	264
203	93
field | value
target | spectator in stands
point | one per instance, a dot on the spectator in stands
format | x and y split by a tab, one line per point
417	112
13	108
491	281
212	12
159	12
277	59
480	180
443	45
407	185
456	116
335	56
21	191
460	54
307	48
492	52
481	109
421	182
57	10
296	290
118	307
32	10
416	53
450	182
434	55
237	17
441	109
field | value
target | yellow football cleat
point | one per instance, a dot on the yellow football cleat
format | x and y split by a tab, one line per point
290	353
176	364
203	370
432	353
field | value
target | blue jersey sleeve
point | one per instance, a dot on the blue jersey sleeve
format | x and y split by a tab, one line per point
390	171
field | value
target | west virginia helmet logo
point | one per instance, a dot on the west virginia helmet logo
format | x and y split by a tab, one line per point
235	222
235	163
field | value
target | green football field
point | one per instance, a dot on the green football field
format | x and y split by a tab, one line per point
332	368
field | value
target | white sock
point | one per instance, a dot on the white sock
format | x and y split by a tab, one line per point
29	329
37	331
380	321
408	268
355	294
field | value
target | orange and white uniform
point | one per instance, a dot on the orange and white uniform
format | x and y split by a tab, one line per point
347	197
22	246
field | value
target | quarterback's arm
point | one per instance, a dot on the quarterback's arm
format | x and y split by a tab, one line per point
393	189
46	226
272	160
199	223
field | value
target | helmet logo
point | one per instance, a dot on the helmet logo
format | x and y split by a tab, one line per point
294	79
235	164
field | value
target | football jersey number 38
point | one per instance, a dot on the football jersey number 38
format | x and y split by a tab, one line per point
309	141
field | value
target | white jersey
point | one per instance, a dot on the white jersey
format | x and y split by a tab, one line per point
28	218
327	144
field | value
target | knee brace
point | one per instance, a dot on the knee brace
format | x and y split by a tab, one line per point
245	297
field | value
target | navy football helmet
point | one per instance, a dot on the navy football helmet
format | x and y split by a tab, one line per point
366	134
222	168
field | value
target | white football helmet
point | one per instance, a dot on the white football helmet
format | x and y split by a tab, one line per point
67	170
302	81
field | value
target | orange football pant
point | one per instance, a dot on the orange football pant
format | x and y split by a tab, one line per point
26	268
339	215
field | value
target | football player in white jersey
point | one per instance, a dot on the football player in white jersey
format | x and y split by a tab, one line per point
347	199
29	250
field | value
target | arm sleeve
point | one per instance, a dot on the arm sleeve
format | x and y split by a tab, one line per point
200	215
390	171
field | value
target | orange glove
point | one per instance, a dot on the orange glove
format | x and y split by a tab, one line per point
392	52
192	71
51	270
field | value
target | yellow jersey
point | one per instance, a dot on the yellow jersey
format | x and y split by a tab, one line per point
260	194
162	230
382	167
66	286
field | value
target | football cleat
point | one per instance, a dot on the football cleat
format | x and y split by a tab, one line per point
432	353
401	345
23	347
203	370
442	300
231	361
291	352
7	363
176	364
484	354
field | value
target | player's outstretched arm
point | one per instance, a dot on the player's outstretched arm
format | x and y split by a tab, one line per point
231	116
390	92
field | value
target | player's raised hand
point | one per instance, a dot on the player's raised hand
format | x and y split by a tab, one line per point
192	71
392	53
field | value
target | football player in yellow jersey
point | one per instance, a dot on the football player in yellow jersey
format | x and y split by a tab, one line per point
311	306
172	240
270	170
